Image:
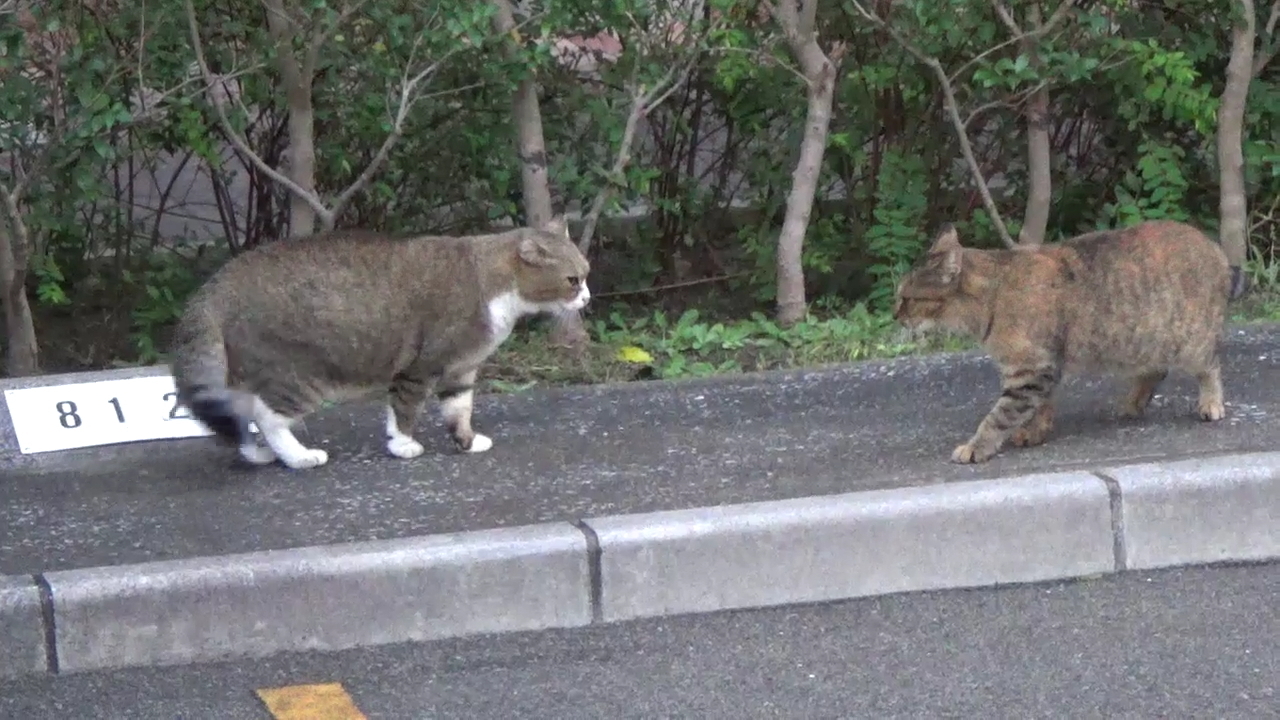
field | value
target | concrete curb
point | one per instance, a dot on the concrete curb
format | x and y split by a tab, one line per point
606	569
987	532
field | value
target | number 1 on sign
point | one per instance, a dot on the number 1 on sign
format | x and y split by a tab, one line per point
115	403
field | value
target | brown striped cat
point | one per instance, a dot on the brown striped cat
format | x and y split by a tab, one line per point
284	327
1141	301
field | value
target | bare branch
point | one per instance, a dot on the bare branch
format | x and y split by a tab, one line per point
973	115
1058	16
643	101
764	57
1013	103
808	17
36	166
231	133
409	95
1267	217
321	35
784	13
1018	38
953	111
1260	62
1006	17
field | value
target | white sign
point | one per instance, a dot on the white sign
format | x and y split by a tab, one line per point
106	412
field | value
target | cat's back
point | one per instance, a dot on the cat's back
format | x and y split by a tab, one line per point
1140	294
336	252
1155	248
342	267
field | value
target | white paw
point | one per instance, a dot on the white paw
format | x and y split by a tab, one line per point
480	443
256	454
308	458
404	447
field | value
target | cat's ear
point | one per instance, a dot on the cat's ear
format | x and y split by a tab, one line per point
947	245
533	252
950	267
557	226
947	239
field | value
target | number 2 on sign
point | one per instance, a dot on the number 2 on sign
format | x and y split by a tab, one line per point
175	407
69	418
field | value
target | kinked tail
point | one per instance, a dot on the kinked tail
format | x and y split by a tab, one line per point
200	375
1239	283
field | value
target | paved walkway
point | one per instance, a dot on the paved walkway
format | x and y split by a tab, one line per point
573	453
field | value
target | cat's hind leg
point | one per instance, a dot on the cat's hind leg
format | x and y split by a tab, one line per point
408	393
255	453
455	393
276	431
1141	391
1024	390
1211	406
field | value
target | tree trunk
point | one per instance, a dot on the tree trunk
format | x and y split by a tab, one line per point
532	152
530	146
568	330
1039	170
820	73
22	352
1233	213
1035	221
301	153
302	159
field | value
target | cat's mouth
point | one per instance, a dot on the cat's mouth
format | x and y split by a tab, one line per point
579	301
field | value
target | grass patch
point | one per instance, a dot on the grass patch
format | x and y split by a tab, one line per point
1262	305
659	346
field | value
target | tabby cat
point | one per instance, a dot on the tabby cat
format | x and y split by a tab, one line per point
334	316
1141	301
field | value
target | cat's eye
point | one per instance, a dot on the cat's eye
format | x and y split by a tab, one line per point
574	281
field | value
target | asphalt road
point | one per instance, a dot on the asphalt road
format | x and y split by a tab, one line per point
1185	643
591	451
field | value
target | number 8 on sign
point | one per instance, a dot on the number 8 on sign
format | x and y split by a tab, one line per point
70	412
62	417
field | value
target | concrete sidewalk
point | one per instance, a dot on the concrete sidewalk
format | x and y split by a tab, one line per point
609	503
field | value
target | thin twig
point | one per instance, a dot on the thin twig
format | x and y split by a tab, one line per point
673	286
953	111
198	47
1058	16
1260	62
1015	102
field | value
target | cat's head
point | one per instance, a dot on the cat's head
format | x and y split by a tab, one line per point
551	273
930	295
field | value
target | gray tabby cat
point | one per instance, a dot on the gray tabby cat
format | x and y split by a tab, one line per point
334	316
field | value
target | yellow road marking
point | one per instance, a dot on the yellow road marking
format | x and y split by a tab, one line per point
322	701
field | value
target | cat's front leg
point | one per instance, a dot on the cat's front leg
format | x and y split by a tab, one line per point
455	393
1026	393
408	393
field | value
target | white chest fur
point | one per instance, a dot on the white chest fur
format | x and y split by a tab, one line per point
504	311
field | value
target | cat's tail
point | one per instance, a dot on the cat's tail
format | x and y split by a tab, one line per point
1239	283
199	363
